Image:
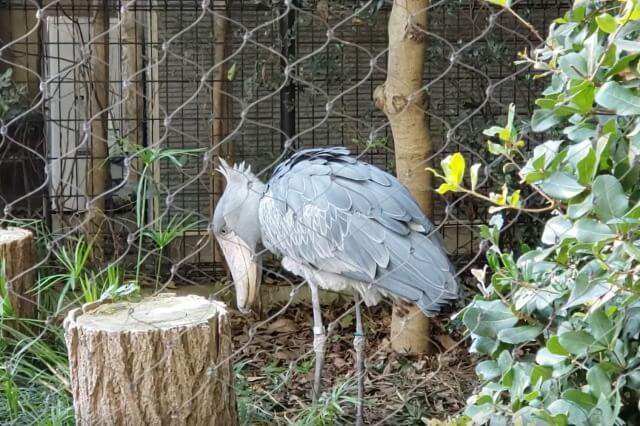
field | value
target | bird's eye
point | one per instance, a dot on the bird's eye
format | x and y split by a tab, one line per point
223	231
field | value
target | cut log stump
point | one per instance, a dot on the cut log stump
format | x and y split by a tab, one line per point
163	361
17	252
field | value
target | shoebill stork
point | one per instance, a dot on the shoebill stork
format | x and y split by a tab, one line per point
340	224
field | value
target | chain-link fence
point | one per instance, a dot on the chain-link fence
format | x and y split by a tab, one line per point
114	114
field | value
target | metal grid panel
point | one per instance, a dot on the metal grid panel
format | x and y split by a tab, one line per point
177	51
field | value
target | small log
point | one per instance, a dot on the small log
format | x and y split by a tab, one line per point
163	361
17	252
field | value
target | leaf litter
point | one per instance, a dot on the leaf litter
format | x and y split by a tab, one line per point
274	371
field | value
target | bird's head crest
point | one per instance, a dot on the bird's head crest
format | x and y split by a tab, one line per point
228	171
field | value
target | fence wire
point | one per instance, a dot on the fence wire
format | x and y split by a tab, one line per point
113	116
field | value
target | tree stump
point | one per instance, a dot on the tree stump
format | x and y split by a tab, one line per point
163	361
17	251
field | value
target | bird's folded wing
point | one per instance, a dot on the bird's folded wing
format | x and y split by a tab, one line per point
344	216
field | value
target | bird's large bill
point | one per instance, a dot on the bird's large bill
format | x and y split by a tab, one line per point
245	270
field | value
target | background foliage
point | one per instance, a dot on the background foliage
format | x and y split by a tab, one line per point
559	323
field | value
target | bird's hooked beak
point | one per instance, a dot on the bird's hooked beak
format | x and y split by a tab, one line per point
245	268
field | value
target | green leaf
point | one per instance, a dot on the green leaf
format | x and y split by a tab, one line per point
561	186
634	213
587	291
540	373
517	335
574	65
593	51
590	231
231	72
487	318
501	3
578	151
492	131
554	346
488	370
607	416
580	132
544	357
520	382
576	415
622	64
505	361
577	342
495	148
632	250
577	210
598	381
505	134
628	45
609	199
556	229
453	168
606	23
473	172
618	98
544	119
444	188
483	345
457	169
584	97
580	398
602	327
587	167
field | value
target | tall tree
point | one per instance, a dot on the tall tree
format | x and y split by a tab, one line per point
403	101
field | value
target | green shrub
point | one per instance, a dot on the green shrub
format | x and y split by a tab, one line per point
559	324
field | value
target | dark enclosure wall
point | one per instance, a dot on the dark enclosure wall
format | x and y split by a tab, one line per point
336	54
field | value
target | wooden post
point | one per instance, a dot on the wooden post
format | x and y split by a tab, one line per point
219	108
17	252
164	360
403	101
132	38
98	164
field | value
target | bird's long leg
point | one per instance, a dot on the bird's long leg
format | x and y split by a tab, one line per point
318	341
358	344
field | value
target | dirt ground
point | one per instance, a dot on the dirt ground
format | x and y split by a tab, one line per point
275	360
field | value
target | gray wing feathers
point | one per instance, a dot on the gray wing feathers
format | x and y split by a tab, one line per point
340	215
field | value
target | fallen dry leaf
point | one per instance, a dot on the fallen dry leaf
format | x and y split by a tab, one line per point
282	325
446	341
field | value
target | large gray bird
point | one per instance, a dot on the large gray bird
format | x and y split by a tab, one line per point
340	224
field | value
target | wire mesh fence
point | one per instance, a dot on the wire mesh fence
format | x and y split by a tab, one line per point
114	115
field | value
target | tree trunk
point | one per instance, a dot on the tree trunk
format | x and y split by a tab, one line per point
98	165
402	99
163	361
17	252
